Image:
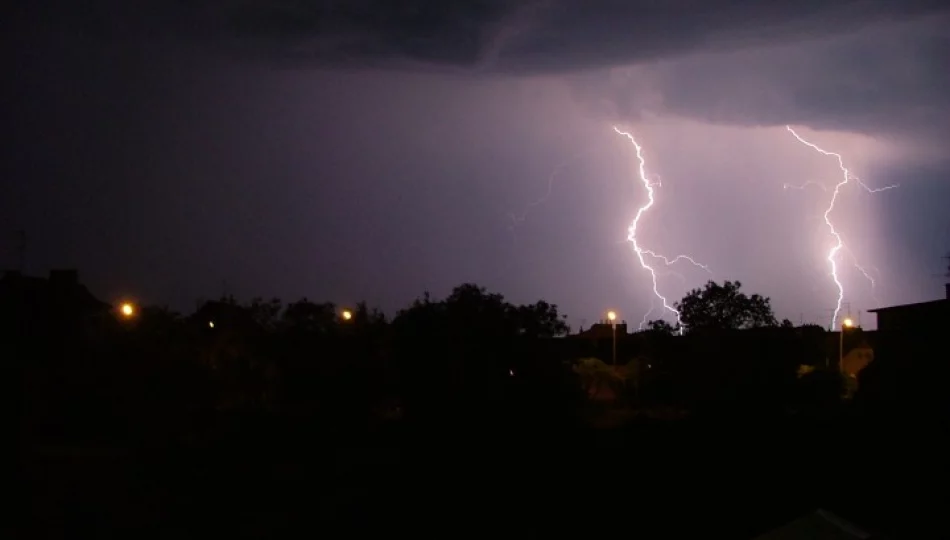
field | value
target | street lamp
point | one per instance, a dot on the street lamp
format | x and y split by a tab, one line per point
612	317
127	309
346	314
845	324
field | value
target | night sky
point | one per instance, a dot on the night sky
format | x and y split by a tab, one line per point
375	149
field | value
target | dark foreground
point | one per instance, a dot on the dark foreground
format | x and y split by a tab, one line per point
267	477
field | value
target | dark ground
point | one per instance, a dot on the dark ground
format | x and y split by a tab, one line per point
266	477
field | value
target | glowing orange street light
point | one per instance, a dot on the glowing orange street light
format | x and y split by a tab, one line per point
127	309
346	314
611	316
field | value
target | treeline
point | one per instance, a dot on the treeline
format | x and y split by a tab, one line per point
472	356
448	357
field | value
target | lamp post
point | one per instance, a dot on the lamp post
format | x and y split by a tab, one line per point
612	317
845	325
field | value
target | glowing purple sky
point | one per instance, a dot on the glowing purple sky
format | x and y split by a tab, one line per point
172	152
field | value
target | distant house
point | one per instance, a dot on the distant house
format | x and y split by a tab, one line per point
917	319
597	341
911	351
913	328
33	306
603	330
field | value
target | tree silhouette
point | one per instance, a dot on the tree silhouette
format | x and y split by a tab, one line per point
264	313
540	319
659	326
461	352
309	318
470	311
718	307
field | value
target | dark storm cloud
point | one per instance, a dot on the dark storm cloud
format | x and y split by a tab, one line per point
860	65
523	36
892	79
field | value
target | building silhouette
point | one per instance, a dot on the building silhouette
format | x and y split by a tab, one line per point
57	305
603	330
917	319
913	327
910	355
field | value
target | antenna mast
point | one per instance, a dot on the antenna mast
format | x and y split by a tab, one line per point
21	249
947	275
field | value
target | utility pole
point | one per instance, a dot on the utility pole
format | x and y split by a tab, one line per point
831	319
946	285
614	352
612	319
20	249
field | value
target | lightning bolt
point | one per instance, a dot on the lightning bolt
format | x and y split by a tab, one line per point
846	177
642	253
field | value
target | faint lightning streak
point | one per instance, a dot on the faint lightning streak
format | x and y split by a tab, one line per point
518	219
860	183
839	242
670	262
805	185
867	275
677	275
632	234
869	189
646	316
